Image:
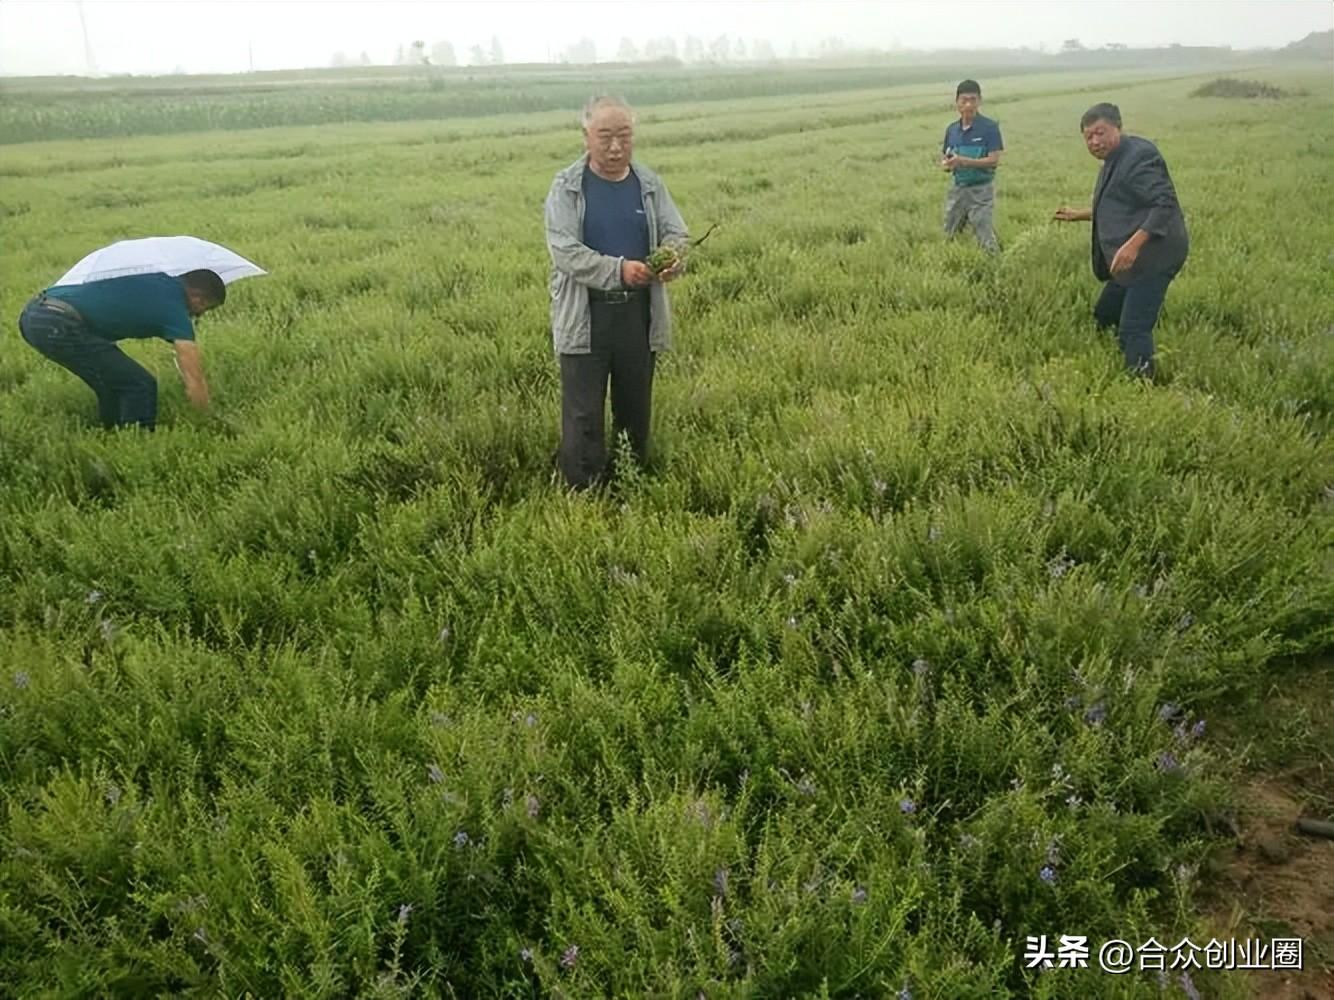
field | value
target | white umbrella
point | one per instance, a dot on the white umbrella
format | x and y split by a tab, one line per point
160	255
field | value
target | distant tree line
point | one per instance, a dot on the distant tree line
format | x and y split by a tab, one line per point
726	49
692	49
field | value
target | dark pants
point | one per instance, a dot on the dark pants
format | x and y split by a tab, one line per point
126	392
1134	311
619	350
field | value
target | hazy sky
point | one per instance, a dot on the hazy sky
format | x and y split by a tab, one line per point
157	36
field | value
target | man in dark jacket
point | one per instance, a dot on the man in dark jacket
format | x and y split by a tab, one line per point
1139	233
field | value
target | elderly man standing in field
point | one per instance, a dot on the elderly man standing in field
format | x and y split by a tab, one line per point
1139	233
77	327
610	315
971	150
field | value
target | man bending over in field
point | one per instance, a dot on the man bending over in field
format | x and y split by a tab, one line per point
609	309
971	150
77	327
1139	233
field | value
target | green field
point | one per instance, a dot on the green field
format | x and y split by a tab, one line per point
336	693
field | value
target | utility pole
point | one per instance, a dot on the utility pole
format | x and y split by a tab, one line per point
89	63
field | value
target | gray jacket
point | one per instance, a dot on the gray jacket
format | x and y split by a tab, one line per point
1134	191
575	268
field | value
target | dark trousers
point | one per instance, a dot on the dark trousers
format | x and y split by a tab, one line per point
1134	311
619	351
126	392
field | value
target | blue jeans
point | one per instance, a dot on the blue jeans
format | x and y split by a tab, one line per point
126	392
1133	311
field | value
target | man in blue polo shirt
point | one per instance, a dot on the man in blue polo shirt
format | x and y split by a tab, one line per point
77	327
971	151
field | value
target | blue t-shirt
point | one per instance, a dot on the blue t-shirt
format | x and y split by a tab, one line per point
137	305
982	138
614	219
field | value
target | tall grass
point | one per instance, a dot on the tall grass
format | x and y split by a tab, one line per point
338	694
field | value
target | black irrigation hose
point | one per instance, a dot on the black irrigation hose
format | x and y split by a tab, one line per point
1316	828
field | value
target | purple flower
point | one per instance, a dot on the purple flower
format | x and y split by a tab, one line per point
21	679
526	954
859	895
1185	621
1072	702
806	786
569	957
530	720
1197	730
1168	711
113	794
907	807
436	774
933	533
93	597
1167	762
108	629
461	839
904	994
1047	874
403	912
921	667
1095	714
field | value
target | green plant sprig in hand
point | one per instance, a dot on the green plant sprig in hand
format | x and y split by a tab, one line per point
673	252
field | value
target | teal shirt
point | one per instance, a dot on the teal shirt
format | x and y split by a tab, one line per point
138	305
980	139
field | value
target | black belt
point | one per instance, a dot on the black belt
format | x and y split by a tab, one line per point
616	295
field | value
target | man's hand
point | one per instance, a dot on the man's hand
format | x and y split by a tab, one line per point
191	368
671	273
951	162
1067	214
1125	257
636	274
